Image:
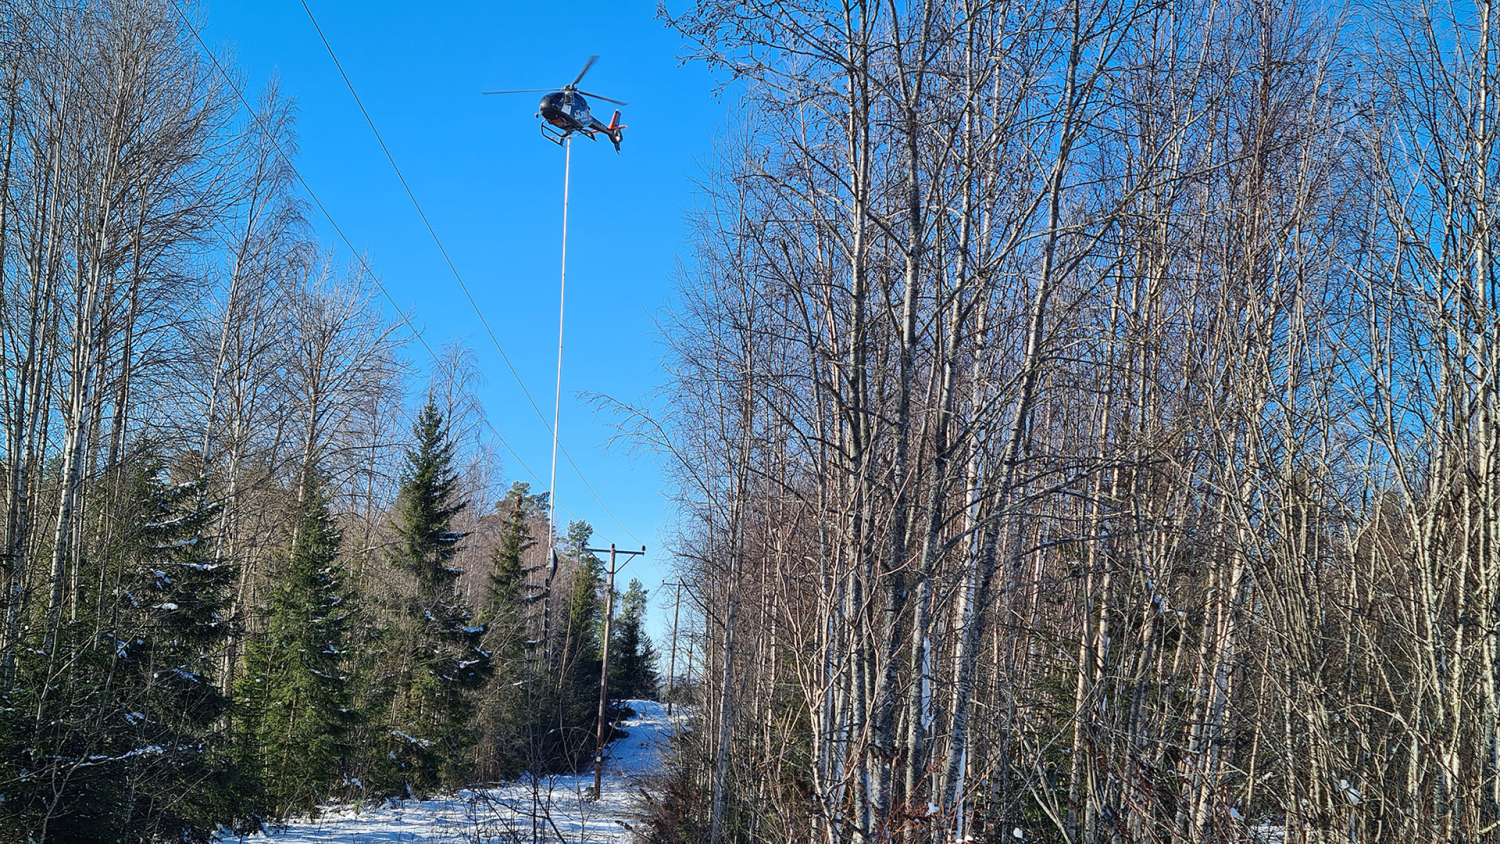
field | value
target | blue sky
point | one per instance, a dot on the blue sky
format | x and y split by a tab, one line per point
492	188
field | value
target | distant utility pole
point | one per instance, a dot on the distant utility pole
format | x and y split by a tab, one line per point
672	660
609	611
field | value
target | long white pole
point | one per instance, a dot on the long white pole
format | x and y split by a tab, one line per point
562	290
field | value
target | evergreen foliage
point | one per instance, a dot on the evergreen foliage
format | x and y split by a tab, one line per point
442	660
295	696
131	731
575	710
504	720
632	657
168	675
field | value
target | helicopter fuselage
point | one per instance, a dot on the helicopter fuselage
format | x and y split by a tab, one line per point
565	110
568	113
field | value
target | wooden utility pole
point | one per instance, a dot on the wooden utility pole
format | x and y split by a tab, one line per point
609	611
672	660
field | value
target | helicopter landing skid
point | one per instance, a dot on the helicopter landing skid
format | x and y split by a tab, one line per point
554	134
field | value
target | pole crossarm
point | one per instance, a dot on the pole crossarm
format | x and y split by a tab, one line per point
614	550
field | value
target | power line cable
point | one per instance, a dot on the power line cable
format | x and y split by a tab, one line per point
420	213
348	83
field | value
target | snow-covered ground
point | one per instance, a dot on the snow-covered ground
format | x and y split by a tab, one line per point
561	807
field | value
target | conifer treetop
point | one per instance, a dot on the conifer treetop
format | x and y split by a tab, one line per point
425	540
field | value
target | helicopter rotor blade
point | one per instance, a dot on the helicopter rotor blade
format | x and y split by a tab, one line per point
604	98
586	65
521	91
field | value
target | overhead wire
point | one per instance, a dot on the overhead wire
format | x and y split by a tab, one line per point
415	204
359	257
348	83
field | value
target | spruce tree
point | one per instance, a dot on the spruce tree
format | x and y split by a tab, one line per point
443	661
505	599
152	770
632	661
505	722
295	697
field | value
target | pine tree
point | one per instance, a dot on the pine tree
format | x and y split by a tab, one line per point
295	695
632	669
443	660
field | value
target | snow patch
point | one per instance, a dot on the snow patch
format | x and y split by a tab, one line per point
555	805
416	741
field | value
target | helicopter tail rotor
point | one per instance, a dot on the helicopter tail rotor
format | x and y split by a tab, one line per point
615	130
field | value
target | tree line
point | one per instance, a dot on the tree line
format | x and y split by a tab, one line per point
1086	420
251	564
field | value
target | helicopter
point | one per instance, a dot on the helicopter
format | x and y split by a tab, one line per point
565	112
